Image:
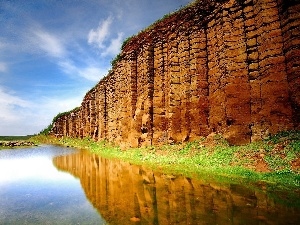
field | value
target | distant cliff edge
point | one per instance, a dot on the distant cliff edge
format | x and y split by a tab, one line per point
230	67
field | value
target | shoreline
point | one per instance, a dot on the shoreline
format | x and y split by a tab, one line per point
274	161
16	144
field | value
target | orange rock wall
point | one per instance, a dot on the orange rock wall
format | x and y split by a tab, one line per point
231	67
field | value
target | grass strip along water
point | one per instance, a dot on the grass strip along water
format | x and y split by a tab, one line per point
274	161
15	141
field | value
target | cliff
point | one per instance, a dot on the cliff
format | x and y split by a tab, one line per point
231	67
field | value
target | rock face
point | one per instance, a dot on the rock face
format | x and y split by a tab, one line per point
231	67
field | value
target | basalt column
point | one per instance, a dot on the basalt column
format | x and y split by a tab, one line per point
81	123
125	90
185	80
290	25
102	110
159	99
133	129
65	126
93	115
89	113
176	92
144	110
85	116
250	13
224	66
111	100
117	103
76	124
275	113
69	124
199	89
216	73
57	128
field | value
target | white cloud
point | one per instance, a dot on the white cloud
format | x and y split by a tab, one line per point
115	45
68	67
99	35
92	73
12	111
49	43
52	45
45	108
7	99
89	72
3	67
22	117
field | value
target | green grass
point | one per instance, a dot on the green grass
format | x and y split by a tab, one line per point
15	138
22	141
212	159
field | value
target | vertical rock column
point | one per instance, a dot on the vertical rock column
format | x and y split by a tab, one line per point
72	124
117	101
97	105
64	126
81	122
93	115
199	107
123	93
159	98
69	125
144	111
290	25
235	80
85	117
174	98
185	82
216	72
134	131
250	12
110	107
58	127
102	111
198	89
76	125
275	113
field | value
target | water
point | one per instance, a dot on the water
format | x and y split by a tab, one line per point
33	191
55	185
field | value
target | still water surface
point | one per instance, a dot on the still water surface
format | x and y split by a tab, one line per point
34	191
56	185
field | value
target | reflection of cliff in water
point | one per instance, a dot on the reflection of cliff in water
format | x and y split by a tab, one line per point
123	192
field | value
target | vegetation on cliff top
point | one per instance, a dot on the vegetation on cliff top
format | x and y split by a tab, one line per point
114	61
275	160
49	127
147	29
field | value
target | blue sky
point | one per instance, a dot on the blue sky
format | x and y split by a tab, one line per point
53	51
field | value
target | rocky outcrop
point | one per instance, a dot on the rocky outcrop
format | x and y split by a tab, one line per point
231	67
11	144
122	192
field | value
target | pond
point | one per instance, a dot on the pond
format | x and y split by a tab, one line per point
57	185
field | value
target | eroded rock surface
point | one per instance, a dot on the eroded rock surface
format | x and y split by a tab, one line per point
231	67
